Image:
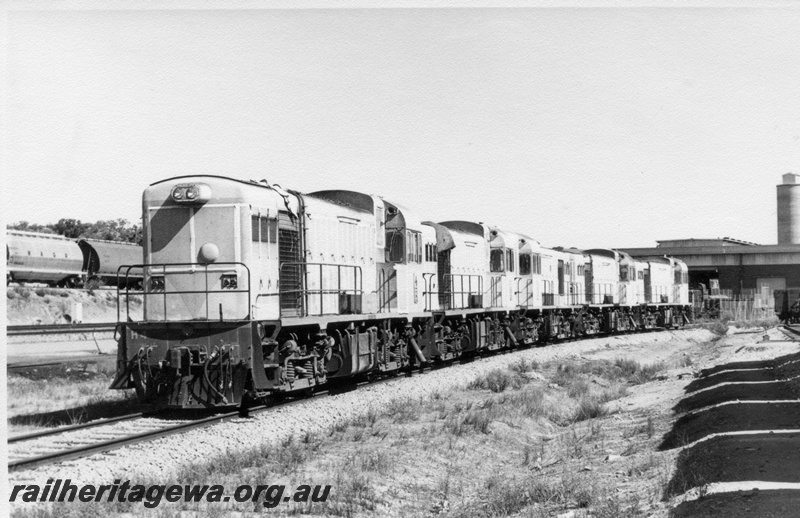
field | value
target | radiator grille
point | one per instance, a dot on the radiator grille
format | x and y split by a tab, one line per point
291	279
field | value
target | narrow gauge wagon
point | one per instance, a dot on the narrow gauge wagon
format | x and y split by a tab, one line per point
59	261
102	259
251	290
46	258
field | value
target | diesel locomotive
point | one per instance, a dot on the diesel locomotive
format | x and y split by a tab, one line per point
250	291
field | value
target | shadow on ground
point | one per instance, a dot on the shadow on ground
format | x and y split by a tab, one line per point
762	455
81	414
733	366
765	457
735	417
733	376
742	381
770	391
761	504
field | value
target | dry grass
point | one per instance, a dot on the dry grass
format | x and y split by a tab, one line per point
498	380
512	444
69	394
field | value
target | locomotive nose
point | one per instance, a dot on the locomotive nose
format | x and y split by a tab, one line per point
208	253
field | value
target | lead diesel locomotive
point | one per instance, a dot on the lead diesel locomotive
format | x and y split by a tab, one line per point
253	291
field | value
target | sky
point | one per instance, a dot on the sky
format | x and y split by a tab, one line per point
587	127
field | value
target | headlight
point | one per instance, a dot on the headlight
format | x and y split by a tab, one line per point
229	282
156	283
191	193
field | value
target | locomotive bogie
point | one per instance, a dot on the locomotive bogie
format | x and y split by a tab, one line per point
187	366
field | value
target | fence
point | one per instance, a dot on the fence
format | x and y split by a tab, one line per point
746	304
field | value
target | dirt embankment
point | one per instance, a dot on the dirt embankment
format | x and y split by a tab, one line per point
29	305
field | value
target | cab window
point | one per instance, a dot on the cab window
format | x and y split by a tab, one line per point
395	246
536	264
524	264
413	247
496	260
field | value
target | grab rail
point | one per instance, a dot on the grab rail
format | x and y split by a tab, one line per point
149	288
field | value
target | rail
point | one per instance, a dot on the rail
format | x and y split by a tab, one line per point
56	329
32	461
155	284
28	461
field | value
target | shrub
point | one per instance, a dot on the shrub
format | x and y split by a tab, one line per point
522	366
578	388
635	372
528	403
473	421
40	292
589	408
497	380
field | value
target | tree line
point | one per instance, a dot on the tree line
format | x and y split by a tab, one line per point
110	230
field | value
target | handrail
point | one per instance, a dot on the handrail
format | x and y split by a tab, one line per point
528	291
496	291
147	274
427	293
322	290
451	294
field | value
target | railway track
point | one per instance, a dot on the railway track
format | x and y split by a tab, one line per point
41	329
71	442
42	448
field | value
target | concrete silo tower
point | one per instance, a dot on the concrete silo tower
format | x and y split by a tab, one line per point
789	210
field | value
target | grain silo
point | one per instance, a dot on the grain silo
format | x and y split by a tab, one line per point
789	210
